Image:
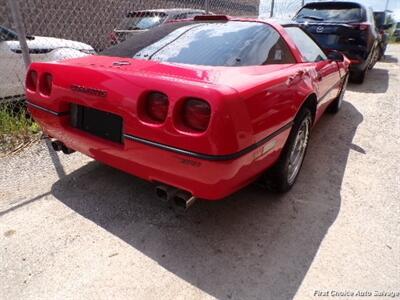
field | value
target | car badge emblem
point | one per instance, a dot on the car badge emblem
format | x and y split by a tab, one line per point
121	63
88	91
320	29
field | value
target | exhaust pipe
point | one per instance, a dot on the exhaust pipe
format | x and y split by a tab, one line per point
179	200
163	192
67	150
59	146
182	201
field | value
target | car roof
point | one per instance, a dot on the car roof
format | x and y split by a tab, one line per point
143	40
168	10
333	3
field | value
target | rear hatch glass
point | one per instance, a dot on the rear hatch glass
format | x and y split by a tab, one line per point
334	12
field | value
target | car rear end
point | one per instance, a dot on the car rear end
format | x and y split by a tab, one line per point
162	123
342	26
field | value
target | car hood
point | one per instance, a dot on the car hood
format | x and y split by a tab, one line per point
50	43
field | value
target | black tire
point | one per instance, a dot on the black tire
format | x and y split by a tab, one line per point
358	76
336	105
278	178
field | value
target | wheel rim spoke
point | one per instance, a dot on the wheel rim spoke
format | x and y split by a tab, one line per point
298	151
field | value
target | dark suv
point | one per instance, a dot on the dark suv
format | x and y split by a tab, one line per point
345	26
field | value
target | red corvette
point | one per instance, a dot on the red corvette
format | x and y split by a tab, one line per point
202	108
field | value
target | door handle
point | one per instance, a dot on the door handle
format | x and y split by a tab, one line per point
318	77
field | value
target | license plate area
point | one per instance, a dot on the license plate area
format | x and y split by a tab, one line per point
100	123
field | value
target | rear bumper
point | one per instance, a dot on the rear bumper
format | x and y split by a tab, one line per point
205	176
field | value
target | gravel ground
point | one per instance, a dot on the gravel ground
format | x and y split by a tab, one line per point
71	228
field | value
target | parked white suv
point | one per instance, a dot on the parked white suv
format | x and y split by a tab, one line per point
12	69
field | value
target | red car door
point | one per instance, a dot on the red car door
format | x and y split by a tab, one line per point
326	72
327	78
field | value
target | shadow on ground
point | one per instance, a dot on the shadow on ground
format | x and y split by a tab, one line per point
253	245
376	82
389	59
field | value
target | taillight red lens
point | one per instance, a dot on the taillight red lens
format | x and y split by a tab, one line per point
31	80
196	114
157	106
46	84
113	37
361	26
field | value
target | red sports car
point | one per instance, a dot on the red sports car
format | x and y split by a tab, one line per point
201	108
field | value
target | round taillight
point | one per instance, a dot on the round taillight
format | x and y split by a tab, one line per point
31	80
196	114
157	107
46	84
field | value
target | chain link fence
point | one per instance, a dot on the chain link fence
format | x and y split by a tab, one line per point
57	30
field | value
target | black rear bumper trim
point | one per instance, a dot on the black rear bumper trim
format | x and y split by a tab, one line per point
183	151
54	113
208	156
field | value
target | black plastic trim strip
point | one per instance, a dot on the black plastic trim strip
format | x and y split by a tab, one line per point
54	113
208	156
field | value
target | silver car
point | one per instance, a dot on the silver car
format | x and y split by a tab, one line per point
143	20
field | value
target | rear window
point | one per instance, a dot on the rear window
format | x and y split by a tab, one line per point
141	20
332	12
307	47
212	44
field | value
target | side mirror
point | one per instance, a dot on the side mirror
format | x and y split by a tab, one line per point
385	26
335	55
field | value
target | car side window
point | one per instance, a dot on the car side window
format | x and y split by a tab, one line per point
279	53
180	16
307	47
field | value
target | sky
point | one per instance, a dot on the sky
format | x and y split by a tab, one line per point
289	7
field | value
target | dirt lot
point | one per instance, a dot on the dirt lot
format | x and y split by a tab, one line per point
71	228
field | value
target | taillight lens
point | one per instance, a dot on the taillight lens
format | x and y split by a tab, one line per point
196	114
113	37
157	106
361	26
46	84
31	80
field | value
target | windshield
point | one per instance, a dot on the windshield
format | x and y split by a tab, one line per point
141	20
330	13
220	44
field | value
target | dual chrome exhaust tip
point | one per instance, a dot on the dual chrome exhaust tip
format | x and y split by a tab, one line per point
59	146
179	200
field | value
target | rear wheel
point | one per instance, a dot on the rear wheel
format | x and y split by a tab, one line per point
283	175
336	105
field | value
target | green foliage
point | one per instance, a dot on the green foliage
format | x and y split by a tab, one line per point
16	127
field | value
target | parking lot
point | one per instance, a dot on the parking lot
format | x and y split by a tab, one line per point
72	228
